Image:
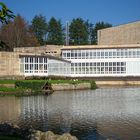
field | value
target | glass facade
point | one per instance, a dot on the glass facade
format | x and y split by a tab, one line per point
30	64
98	68
103	62
85	62
41	65
59	68
101	53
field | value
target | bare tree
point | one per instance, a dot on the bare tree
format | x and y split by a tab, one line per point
17	34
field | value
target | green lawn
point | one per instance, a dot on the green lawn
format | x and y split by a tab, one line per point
6	89
7	81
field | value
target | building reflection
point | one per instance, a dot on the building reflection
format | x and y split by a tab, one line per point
9	109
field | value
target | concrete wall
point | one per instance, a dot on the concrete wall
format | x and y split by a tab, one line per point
71	86
119	35
9	64
53	50
113	83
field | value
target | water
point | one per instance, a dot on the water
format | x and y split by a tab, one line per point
100	114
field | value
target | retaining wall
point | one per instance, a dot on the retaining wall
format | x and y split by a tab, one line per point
71	86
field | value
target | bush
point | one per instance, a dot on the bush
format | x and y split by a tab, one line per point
30	84
93	85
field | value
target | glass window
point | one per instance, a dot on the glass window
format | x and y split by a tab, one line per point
26	59
31	59
36	59
40	60
106	63
83	54
68	55
45	60
102	54
83	64
26	67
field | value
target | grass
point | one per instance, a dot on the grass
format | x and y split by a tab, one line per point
50	81
7	81
6	89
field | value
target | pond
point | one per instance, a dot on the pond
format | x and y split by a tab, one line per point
109	113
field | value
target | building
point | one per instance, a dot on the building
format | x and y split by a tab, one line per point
116	55
120	35
53	50
20	65
103	60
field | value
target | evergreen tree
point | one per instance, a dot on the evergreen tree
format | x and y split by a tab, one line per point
55	32
98	26
5	16
78	32
39	27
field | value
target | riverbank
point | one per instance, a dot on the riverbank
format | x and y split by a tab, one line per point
35	87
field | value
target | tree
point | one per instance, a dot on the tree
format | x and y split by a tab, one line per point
5	16
98	26
55	32
39	27
17	34
78	32
5	13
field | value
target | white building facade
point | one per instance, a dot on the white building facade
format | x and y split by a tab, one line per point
103	61
43	65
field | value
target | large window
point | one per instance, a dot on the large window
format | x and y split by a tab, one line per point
57	67
98	68
33	64
101	53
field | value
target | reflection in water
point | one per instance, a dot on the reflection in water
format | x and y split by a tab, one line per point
9	109
88	114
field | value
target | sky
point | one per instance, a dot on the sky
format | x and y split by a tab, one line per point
115	12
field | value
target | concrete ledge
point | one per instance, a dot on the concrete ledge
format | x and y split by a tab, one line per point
117	83
71	86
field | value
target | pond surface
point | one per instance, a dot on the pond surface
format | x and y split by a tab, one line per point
112	113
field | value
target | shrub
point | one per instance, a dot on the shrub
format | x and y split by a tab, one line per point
30	84
93	85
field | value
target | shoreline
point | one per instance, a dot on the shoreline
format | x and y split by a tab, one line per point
40	87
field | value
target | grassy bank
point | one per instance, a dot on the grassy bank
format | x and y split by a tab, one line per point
33	87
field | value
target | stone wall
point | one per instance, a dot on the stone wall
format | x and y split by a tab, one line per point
9	64
123	34
71	86
114	83
53	50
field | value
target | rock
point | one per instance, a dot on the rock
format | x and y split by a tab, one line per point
49	136
31	134
67	136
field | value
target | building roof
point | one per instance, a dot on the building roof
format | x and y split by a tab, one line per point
44	55
82	47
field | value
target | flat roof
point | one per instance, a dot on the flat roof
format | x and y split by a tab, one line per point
43	55
83	47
